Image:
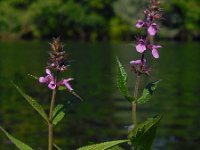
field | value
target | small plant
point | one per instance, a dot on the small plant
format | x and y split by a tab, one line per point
54	81
141	135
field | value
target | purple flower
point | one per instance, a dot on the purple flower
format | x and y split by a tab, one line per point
141	46
154	50
153	28
140	24
52	85
48	79
65	82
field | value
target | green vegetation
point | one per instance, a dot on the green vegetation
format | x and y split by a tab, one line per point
92	19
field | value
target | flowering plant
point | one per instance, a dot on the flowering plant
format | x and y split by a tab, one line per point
140	135
54	68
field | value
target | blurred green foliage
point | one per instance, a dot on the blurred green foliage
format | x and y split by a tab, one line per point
93	19
183	16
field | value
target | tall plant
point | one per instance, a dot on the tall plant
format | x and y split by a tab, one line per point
54	81
141	135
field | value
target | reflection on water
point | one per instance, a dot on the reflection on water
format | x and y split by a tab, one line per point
104	114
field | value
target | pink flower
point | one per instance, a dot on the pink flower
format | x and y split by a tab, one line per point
48	79
65	82
141	46
140	24
153	28
52	85
154	50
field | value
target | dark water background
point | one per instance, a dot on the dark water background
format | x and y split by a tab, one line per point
104	114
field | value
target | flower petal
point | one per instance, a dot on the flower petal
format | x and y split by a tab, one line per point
48	71
156	46
49	78
140	24
67	80
52	85
155	53
66	83
153	28
140	48
136	62
68	86
42	80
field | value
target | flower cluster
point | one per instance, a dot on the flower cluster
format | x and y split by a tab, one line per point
143	45
152	13
139	66
57	64
51	82
57	56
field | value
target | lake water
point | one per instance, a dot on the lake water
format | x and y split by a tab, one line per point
104	114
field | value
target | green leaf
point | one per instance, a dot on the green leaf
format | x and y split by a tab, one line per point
56	146
122	81
103	146
33	103
61	88
17	142
142	136
148	92
58	114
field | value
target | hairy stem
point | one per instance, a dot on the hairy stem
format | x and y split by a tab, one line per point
134	103
50	124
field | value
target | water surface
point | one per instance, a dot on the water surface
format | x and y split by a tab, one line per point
104	114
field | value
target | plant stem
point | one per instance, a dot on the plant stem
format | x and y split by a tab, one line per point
50	124
134	103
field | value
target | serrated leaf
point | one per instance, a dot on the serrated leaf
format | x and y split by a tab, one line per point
18	143
58	114
142	136
122	81
103	146
148	92
33	103
56	146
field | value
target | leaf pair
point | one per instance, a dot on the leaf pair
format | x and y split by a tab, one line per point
122	85
141	137
58	114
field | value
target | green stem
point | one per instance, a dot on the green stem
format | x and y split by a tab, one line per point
50	124
134	103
